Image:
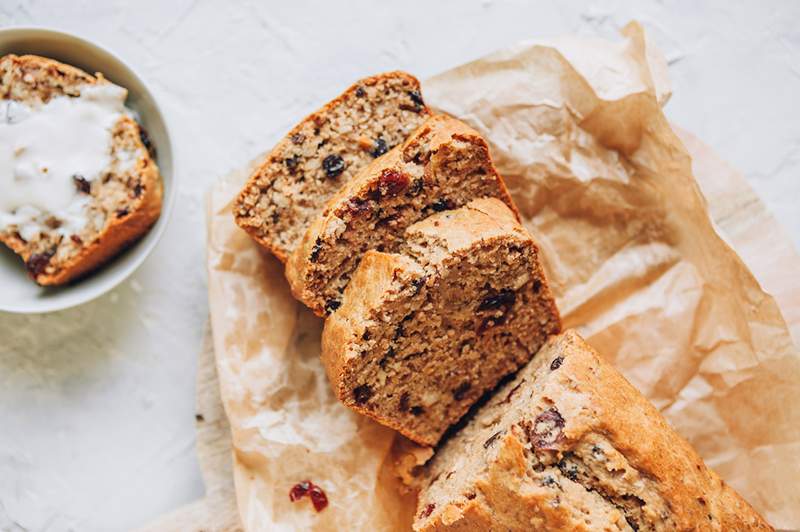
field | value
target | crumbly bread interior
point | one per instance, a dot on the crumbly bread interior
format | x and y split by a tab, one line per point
288	190
444	165
449	328
535	457
123	203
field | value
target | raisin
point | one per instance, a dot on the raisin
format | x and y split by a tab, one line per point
52	222
292	163
82	184
121	213
362	393
556	363
333	165
488	443
503	298
537	285
391	183
37	262
417	410
75	238
569	470
199	417
366	336
417	284
404	399
360	92
546	429
137	190
148	144
298	138
316	250
550	482
471	495
331	305
461	391
416	187
428	510
442	204
380	148
416	105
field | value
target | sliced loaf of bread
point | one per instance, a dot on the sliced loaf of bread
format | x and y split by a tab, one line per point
422	334
59	211
569	444
443	165
289	188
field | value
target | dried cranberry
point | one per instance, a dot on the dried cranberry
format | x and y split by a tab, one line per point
391	183
318	498
428	510
331	305
75	238
471	495
503	298
314	492
461	390
82	184
556	363
37	262
333	165
360	92
380	148
299	490
316	250
546	429
362	393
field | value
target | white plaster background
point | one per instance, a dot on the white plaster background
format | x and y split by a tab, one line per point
97	403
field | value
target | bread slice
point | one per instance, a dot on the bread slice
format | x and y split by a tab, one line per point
569	444
443	165
117	207
422	335
287	191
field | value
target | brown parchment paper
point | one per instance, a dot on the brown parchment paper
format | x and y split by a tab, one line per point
636	264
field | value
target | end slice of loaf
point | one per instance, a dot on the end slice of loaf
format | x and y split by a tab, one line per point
422	335
122	205
443	165
569	444
288	190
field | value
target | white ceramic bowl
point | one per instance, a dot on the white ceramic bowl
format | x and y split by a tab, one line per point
17	292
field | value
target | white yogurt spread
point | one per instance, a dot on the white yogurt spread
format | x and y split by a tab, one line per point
43	147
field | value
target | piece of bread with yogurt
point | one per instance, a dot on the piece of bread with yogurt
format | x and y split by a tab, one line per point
77	174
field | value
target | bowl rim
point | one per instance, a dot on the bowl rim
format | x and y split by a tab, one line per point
154	234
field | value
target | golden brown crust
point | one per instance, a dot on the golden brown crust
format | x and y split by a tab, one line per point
264	173
439	132
32	78
520	483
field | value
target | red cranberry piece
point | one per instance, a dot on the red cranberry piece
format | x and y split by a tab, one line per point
546	429
391	183
299	490
318	498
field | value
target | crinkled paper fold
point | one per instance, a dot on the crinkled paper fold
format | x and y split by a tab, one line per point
606	187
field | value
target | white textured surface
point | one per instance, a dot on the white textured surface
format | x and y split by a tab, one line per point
97	403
